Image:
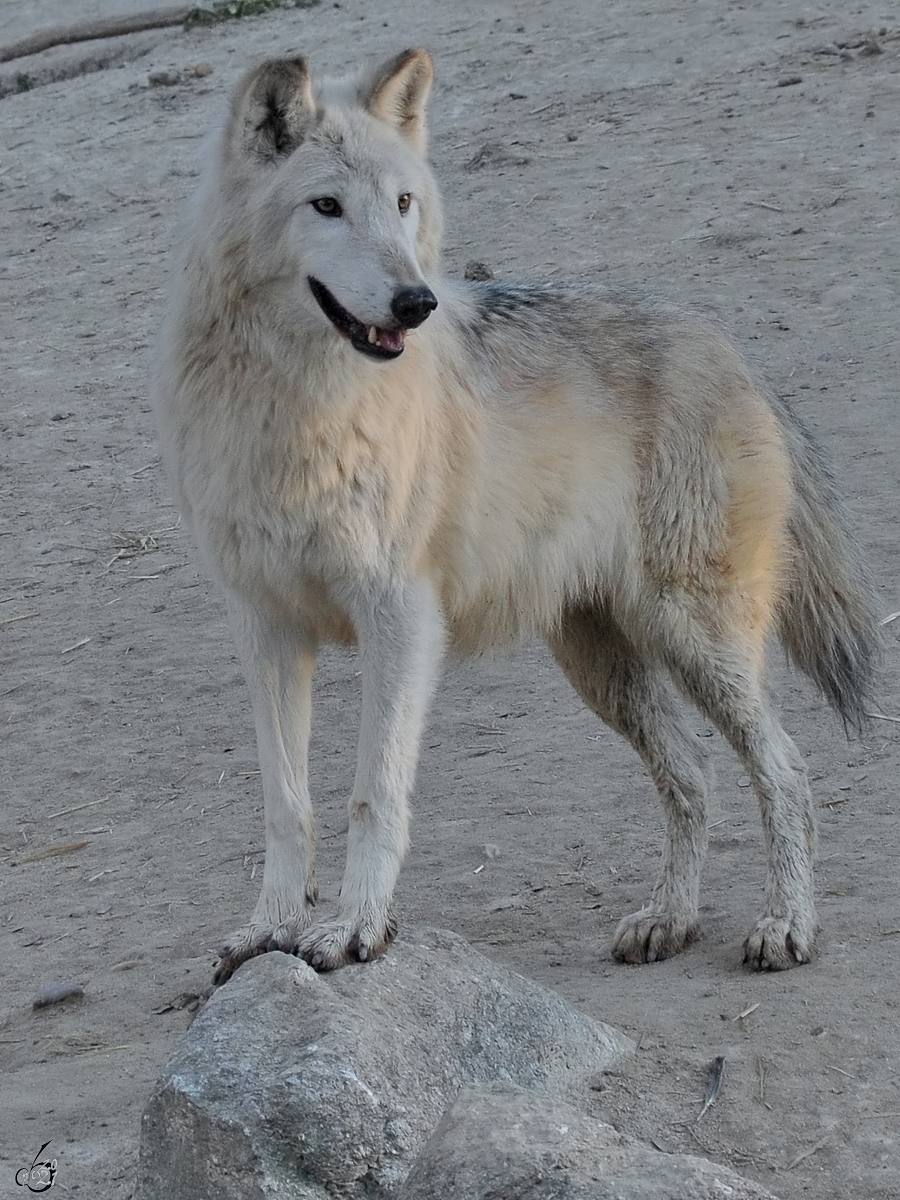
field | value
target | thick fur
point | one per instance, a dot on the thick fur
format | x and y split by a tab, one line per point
578	463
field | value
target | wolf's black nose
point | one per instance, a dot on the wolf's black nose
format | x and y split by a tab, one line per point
412	305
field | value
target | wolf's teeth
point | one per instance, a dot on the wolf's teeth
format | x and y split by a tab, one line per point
373	335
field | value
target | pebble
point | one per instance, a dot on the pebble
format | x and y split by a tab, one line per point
163	78
478	271
55	993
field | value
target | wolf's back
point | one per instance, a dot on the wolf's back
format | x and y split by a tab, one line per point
826	616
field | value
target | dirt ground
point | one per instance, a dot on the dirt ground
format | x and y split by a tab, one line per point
741	156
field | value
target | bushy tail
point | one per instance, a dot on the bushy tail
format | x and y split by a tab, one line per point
826	617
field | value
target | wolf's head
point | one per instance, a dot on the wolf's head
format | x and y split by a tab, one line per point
331	206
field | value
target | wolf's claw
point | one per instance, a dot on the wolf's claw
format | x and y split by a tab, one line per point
779	943
334	944
257	938
650	936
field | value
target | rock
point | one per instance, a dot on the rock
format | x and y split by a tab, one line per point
56	993
306	1085
478	272
164	78
501	1142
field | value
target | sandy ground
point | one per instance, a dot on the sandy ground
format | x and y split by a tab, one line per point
740	156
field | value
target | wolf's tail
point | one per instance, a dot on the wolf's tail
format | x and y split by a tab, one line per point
826	616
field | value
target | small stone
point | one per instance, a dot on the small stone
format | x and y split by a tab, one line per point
478	272
163	78
56	993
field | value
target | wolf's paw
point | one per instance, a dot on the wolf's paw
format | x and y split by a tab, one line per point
779	943
650	935
258	938
333	944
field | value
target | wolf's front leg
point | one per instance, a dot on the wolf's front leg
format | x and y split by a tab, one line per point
278	664
400	642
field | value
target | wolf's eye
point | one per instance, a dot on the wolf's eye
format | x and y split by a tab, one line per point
404	202
327	206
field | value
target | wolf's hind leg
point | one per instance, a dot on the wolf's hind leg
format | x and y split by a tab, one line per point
717	661
278	664
635	700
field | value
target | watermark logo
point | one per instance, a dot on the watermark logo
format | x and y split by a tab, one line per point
40	1175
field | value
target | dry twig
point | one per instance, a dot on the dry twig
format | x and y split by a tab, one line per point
53	852
76	645
89	31
747	1011
11	620
808	1153
64	812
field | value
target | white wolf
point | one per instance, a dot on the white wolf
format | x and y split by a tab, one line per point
369	452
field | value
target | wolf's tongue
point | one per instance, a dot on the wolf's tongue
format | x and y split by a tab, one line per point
390	339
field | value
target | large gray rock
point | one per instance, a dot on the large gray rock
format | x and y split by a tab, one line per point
303	1086
500	1142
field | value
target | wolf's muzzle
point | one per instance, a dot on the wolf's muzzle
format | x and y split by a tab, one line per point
409	308
412	305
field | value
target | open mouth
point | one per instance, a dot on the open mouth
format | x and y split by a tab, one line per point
367	339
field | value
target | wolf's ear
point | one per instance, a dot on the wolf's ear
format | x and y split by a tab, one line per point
397	92
273	110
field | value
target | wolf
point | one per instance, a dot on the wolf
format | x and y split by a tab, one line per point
369	452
